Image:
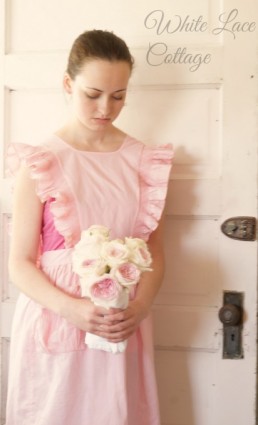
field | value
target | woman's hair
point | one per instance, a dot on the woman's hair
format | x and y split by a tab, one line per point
97	44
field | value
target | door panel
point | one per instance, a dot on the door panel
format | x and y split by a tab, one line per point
210	115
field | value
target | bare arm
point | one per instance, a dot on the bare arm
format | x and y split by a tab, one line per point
24	273
150	282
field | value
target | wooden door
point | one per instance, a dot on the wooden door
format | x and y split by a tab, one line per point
194	85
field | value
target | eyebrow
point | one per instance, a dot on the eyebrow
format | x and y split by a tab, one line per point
101	91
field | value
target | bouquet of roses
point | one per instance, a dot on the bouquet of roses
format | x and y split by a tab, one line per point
108	269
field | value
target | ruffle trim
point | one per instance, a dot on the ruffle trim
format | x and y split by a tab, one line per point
155	167
45	169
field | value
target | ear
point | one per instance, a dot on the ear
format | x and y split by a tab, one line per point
67	83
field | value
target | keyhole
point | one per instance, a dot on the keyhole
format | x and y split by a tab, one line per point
232	337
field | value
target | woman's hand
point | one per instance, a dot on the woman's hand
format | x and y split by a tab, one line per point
120	324
115	325
85	315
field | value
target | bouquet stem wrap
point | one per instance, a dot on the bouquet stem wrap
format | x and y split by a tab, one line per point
108	269
99	343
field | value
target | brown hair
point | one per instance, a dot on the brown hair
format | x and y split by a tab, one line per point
97	44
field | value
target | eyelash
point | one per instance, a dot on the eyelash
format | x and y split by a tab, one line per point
96	97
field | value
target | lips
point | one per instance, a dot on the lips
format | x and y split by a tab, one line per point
101	120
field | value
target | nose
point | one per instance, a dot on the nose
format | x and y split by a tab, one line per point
104	106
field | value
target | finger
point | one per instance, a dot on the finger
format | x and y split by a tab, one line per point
117	335
121	326
97	329
101	311
97	320
114	310
117	317
121	332
122	336
105	329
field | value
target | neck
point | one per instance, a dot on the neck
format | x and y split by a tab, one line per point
83	139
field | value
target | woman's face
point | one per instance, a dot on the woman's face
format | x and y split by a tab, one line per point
98	92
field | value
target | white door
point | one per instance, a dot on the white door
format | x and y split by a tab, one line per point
195	85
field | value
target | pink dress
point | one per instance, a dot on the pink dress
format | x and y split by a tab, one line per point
55	379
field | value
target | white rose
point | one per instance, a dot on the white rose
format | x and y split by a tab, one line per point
85	283
114	252
85	267
86	258
139	253
95	232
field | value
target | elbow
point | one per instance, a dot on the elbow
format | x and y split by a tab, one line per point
17	268
13	270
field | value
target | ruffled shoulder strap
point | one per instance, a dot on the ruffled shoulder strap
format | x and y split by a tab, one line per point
155	167
45	169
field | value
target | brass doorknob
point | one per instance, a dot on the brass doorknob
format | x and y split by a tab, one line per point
230	314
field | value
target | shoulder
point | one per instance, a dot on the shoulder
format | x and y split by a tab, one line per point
134	145
150	151
148	145
35	165
130	141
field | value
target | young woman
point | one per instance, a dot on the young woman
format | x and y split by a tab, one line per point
88	172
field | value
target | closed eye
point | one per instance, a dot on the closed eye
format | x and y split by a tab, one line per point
118	98
97	96
91	97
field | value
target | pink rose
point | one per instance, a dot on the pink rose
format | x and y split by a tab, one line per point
127	274
106	292
106	287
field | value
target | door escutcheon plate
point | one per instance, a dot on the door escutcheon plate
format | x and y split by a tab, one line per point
231	315
242	228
